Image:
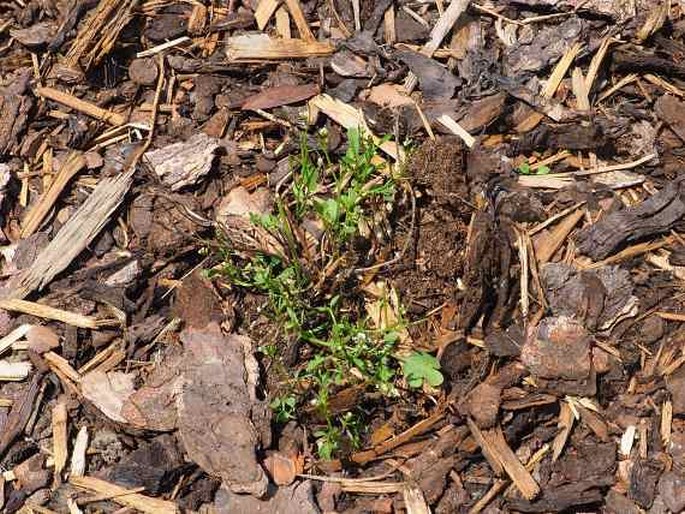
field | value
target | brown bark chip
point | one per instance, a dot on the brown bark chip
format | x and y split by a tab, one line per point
143	71
558	348
214	410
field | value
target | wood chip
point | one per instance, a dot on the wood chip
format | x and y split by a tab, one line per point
59	434
125	497
75	235
78	455
264	11
300	22
81	105
258	47
456	129
47	312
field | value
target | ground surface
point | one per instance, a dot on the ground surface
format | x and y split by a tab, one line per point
342	256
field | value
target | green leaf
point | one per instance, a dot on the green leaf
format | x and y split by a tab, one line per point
543	170
329	210
524	168
420	367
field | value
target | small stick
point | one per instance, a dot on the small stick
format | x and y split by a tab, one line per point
283	23
164	46
264	11
416	16
630	252
537	228
78	454
621	83
523	259
257	47
389	29
300	21
517	472
424	120
14	336
448	122
658	81
547	248
597	62
565	425
59	363
59	434
666	422
551	87
81	105
14	371
125	497
44	311
74	163
356	13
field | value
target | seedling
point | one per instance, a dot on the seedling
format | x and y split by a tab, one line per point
341	348
420	368
526	169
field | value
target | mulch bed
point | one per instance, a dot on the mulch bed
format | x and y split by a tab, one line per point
529	243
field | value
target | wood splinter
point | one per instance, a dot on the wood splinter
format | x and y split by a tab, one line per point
83	106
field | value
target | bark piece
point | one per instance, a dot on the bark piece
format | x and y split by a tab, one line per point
643	481
182	164
42	339
616	503
214	409
153	406
436	82
108	392
675	382
671	110
672	490
280	95
36	35
32	474
558	348
482	404
595	297
143	71
14	109
155	466
656	215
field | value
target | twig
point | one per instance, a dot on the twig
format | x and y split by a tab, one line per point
164	46
448	122
74	163
44	311
81	105
537	228
297	14
264	11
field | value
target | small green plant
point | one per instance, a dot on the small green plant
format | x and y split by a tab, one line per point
284	408
342	347
420	368
526	169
